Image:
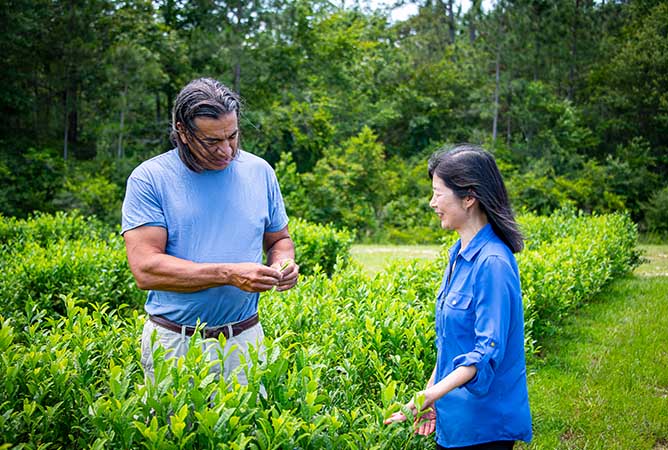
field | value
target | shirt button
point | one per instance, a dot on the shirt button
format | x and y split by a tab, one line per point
492	344
454	302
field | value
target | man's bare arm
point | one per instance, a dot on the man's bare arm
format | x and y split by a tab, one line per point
154	269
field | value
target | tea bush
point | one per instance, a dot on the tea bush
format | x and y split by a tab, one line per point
319	246
571	265
342	350
53	370
47	256
44	229
68	254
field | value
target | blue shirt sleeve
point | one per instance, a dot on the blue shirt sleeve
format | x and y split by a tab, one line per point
141	205
492	302
278	218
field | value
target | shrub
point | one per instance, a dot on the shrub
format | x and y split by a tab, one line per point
319	247
656	212
47	256
568	261
343	351
43	229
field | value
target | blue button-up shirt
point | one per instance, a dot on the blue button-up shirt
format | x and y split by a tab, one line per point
480	321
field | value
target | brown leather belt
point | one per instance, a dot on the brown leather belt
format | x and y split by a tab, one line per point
213	332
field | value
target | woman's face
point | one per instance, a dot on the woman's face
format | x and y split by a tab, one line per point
449	208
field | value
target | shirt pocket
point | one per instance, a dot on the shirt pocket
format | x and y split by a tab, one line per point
458	301
459	318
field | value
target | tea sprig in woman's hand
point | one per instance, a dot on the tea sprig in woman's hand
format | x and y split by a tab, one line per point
421	410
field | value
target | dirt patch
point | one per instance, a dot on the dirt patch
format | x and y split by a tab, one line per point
654	261
571	437
661	392
661	444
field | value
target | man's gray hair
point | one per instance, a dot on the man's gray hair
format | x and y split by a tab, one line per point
203	97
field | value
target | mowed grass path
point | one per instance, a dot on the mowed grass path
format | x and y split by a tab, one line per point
602	381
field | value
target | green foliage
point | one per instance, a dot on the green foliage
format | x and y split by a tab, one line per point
406	217
629	90
44	229
657	212
573	257
318	247
53	371
29	180
579	104
46	257
551	129
299	129
342	352
347	186
92	196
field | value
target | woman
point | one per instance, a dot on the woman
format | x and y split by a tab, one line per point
477	395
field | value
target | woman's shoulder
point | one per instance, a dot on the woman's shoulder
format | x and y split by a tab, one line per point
496	250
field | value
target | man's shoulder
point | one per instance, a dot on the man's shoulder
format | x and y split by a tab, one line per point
157	164
249	161
250	158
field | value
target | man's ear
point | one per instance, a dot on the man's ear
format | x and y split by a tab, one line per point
180	130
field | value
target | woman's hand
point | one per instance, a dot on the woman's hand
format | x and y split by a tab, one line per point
425	420
426	424
400	416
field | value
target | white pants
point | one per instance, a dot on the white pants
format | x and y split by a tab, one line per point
176	345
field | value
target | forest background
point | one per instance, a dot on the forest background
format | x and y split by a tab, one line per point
346	103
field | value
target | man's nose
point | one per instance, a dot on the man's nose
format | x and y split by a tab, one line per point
224	147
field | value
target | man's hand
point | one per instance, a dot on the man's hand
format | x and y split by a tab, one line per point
252	277
289	272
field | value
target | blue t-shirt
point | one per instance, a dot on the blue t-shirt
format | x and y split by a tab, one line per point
480	321
217	216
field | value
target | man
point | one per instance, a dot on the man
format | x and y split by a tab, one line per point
196	221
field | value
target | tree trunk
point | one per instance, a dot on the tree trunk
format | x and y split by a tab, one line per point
508	116
497	87
573	58
65	124
451	21
73	118
237	64
124	106
474	14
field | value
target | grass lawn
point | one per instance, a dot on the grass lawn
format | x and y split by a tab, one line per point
375	257
602	381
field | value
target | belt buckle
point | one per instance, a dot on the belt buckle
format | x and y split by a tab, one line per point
214	333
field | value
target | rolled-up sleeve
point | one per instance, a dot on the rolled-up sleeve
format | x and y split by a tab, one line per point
492	303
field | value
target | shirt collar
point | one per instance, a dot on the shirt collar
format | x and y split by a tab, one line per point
478	241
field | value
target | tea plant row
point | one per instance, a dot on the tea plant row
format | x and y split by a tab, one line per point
342	349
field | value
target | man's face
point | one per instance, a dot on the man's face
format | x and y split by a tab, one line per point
215	141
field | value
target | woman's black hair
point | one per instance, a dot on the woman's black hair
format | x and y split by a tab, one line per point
469	170
203	97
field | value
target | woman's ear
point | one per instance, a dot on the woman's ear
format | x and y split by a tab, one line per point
469	201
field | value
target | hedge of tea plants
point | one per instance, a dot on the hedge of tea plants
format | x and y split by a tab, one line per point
342	351
47	256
